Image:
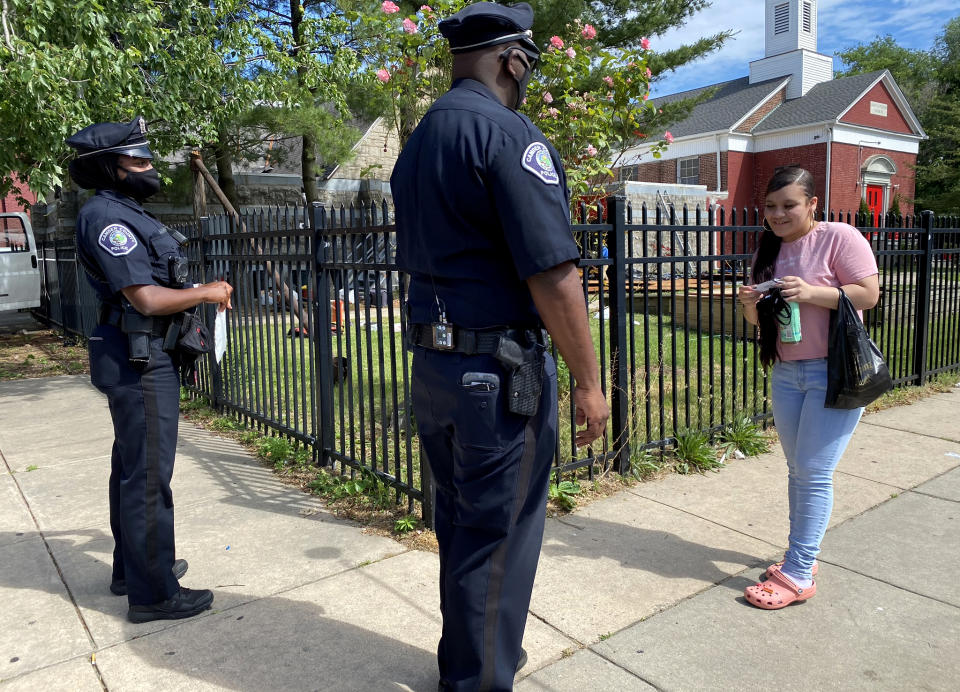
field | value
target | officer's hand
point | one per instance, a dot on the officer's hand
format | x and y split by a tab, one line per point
219	292
592	409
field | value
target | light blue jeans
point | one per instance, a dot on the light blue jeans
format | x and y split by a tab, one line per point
813	440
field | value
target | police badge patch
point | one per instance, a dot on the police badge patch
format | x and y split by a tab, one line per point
117	239
538	161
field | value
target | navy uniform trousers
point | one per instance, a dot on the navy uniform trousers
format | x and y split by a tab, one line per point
145	409
491	470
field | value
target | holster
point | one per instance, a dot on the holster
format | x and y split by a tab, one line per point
138	329
525	380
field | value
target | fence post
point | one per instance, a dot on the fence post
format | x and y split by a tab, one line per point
619	374
924	281
210	313
322	336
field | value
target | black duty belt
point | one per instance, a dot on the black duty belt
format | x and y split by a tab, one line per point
473	341
112	315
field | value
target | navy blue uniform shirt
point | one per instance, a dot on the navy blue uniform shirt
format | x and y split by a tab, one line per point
125	244
481	205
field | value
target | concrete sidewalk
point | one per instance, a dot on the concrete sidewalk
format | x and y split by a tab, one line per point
637	591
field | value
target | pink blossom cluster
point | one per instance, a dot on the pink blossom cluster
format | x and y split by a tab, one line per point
409	26
645	43
390	7
667	136
547	97
609	80
589	32
556	42
383	75
571	53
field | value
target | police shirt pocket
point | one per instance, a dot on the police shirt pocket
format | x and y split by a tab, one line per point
163	249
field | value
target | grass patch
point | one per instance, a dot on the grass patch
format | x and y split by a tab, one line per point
42	353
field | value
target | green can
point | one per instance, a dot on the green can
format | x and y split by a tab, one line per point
790	332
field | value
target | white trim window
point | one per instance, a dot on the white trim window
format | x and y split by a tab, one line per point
808	17
688	170
781	19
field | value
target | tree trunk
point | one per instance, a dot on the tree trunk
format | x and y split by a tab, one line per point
228	183
308	168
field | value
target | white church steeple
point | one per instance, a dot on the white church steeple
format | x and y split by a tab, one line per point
790	47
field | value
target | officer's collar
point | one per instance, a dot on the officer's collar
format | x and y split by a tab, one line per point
123	199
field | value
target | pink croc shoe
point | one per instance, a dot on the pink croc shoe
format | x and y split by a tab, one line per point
778	591
778	565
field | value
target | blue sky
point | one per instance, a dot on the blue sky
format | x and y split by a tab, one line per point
842	24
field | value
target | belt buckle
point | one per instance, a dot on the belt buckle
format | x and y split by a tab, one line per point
442	336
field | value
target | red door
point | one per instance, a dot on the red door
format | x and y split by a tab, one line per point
875	202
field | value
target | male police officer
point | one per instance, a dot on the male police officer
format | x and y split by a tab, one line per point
483	230
138	270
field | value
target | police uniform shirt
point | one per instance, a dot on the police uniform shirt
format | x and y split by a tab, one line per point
127	245
481	205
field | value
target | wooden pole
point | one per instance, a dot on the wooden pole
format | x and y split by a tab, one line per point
292	296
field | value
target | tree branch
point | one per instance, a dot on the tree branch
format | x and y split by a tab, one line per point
7	33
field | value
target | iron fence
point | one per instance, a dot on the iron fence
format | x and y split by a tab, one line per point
316	337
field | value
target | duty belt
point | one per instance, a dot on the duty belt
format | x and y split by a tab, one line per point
474	341
112	315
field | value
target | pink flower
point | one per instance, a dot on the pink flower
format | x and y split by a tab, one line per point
609	80
571	53
591	150
547	97
667	136
426	8
644	42
383	75
649	73
553	112
389	7
646	96
556	42
409	26
589	32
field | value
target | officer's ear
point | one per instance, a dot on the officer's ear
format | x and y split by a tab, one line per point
515	62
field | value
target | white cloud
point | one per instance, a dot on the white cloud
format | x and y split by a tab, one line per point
842	24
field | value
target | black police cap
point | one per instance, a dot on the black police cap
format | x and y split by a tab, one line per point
486	24
113	138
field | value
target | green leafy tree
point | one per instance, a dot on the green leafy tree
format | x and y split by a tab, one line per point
63	65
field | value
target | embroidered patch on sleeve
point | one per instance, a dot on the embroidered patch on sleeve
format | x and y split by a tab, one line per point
117	240
538	161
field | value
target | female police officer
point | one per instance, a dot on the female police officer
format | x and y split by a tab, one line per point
138	270
483	229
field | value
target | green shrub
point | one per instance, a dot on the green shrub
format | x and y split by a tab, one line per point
694	452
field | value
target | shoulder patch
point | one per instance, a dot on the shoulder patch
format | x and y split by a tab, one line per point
537	160
117	240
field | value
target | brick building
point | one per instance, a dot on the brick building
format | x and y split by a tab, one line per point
857	135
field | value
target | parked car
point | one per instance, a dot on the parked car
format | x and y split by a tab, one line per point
19	268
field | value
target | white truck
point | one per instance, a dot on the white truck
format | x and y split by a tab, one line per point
19	265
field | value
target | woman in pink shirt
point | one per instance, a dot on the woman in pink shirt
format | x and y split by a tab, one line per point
811	260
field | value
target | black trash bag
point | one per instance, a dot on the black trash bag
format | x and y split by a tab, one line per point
856	371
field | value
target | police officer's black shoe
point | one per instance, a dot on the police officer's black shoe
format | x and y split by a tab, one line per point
523	659
184	604
119	586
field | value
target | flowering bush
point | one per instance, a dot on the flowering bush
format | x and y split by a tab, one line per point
591	103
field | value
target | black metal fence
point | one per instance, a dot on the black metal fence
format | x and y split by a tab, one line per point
316	337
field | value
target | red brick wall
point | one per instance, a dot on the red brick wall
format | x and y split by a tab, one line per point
9	202
657	172
740	180
813	157
708	171
845	193
860	113
763	111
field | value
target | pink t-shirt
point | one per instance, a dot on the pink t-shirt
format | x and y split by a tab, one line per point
832	254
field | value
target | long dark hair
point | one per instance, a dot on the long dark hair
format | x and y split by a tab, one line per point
767	251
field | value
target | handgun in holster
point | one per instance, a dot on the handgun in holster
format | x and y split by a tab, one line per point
138	329
525	367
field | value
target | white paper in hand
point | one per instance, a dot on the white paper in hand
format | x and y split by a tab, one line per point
220	334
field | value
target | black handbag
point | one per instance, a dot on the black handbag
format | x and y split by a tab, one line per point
856	371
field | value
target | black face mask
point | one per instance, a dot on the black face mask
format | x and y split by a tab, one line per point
524	81
140	184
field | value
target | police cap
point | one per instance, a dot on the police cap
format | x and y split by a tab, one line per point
113	138
485	24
